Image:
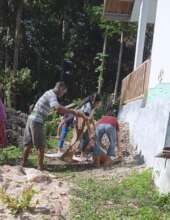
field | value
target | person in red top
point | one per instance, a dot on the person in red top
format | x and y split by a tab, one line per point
108	125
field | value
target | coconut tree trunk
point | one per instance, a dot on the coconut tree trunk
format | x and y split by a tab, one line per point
101	80
6	52
17	35
12	99
62	51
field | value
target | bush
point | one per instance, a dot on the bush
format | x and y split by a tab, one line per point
52	123
19	88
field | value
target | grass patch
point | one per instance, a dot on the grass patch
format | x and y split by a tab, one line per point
12	156
9	155
135	198
20	204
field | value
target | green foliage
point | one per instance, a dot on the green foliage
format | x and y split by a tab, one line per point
102	109
100	57
51	128
133	198
9	155
19	204
12	155
42	47
19	85
52	123
77	101
109	27
99	112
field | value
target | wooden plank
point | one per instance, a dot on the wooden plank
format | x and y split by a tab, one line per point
136	83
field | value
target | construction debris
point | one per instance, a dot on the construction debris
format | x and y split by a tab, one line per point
126	146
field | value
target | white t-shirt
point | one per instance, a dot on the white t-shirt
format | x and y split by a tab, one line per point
86	108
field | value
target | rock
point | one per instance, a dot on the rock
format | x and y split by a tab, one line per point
60	184
63	193
37	176
15	125
41	178
51	200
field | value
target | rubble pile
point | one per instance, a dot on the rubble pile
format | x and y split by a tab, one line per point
16	122
51	200
126	146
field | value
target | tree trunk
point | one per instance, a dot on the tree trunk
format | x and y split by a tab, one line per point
118	69
100	80
12	92
6	52
62	50
17	35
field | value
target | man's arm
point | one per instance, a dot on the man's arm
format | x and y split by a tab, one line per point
63	110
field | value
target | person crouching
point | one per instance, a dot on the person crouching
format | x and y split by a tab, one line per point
108	125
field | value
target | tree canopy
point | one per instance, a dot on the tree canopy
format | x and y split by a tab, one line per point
43	41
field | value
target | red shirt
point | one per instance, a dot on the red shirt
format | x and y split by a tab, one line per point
109	120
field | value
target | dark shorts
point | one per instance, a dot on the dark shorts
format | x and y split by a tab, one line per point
34	134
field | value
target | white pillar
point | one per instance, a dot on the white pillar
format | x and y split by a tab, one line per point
143	15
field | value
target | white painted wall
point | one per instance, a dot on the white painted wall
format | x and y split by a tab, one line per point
161	45
148	127
148	124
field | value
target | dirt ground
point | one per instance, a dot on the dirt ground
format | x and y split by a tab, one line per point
52	187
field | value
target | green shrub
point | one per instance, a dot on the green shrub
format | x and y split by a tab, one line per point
19	88
52	123
9	155
106	99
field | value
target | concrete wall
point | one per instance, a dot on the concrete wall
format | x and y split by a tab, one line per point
148	127
160	68
161	90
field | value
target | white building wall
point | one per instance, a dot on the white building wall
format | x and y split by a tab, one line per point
160	68
159	85
148	124
148	127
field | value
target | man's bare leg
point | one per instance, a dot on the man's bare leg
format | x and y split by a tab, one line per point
40	151
25	156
